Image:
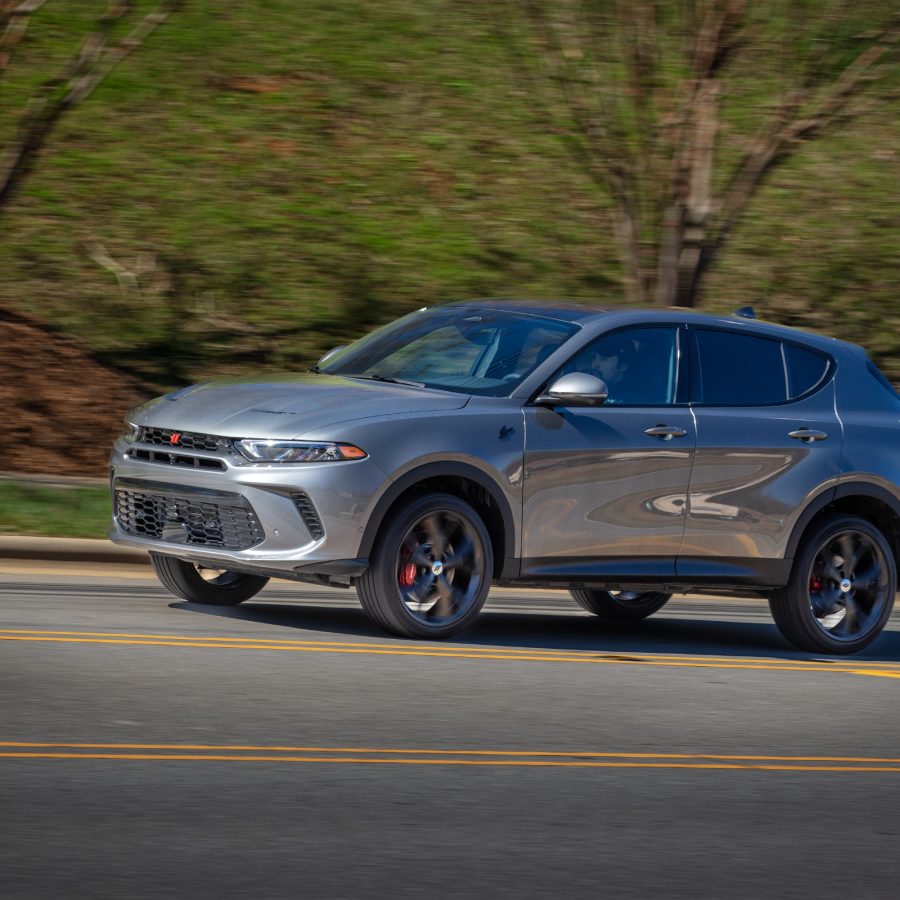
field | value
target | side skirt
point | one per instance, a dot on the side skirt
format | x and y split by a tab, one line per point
654	573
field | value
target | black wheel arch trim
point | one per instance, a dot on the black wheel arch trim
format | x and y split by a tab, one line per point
827	497
438	470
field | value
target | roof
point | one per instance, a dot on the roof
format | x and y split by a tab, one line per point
554	309
582	313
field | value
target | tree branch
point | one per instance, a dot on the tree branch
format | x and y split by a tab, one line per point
79	77
14	20
606	153
790	128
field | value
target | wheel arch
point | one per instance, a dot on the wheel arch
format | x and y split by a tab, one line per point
461	480
870	501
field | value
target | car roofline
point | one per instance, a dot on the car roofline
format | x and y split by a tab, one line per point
580	313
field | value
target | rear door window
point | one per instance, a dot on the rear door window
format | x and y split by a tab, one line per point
732	369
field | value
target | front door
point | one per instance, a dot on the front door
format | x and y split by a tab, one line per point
606	487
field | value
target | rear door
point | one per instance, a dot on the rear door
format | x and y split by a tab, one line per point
606	487
768	440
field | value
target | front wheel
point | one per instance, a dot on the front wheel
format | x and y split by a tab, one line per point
199	584
621	606
430	570
841	589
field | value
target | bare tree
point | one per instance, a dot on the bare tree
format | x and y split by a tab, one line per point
97	56
636	87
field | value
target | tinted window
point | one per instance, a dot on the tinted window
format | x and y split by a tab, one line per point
806	369
639	365
739	370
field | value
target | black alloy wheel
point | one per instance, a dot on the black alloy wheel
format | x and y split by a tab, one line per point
841	590
620	606
431	569
200	584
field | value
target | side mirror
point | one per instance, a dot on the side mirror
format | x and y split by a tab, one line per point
331	353
575	389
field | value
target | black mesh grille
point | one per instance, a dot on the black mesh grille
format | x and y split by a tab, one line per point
184	440
226	521
308	514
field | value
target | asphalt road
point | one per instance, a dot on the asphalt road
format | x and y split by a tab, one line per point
286	748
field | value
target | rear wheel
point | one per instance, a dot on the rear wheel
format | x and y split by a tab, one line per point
199	584
430	570
622	606
841	589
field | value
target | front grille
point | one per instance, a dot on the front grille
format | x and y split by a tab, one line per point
308	514
176	459
184	440
209	519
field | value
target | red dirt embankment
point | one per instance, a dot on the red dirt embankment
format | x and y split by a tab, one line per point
61	408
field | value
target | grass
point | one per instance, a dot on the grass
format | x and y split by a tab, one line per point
299	180
76	512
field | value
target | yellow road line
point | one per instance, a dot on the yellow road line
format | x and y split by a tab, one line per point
386	650
128	571
616	656
582	657
406	646
414	761
561	754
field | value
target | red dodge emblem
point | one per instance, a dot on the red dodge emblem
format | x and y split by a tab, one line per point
175	437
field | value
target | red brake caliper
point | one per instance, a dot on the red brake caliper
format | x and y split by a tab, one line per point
407	573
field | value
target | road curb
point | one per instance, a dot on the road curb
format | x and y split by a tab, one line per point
55	481
69	550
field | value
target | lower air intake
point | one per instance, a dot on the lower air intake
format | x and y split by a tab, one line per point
227	521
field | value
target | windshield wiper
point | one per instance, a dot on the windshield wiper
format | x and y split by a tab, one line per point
386	380
315	370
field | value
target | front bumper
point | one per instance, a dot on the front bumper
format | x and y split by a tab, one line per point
343	495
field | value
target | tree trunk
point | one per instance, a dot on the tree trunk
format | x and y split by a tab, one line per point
690	242
628	238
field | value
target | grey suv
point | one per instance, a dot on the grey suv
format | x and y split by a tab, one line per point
622	454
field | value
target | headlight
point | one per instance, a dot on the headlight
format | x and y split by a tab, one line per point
298	451
130	432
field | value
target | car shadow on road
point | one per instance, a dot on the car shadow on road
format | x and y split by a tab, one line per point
667	633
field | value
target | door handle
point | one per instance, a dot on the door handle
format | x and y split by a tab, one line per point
665	432
807	435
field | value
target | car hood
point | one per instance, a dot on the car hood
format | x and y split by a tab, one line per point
287	406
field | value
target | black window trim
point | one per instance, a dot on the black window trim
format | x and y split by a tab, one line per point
694	368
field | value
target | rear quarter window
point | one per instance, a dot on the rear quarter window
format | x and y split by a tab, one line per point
806	369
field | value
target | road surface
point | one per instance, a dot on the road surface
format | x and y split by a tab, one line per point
286	748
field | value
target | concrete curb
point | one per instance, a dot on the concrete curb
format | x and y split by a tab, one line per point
69	550
55	481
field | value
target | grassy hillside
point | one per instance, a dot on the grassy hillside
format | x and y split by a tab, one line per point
300	172
82	512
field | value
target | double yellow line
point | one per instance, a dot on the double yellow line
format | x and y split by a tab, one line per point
442	757
445	651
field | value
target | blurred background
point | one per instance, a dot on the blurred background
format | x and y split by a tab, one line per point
201	189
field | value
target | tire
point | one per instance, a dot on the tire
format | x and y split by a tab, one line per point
620	606
216	588
841	590
430	569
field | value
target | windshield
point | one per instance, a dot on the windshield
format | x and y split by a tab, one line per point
456	348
